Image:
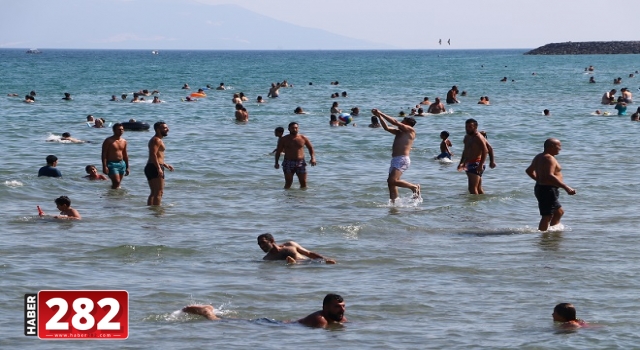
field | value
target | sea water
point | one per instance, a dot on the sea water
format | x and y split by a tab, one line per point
451	271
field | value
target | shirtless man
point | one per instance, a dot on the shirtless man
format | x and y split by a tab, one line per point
436	107
289	251
332	313
241	113
155	164
473	156
400	161
452	95
547	173
293	147
274	91
609	97
115	161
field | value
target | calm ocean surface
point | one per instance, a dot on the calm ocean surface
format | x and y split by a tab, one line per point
455	271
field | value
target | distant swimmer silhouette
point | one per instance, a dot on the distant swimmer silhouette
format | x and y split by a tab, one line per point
440	41
449	41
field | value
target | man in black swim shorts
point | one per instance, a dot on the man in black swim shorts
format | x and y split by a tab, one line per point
155	164
547	173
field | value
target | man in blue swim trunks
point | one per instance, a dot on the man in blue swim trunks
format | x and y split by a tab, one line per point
547	173
115	161
405	134
473	156
294	164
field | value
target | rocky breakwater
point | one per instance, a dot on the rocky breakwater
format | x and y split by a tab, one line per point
588	48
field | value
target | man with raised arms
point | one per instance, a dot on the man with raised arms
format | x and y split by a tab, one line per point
154	170
547	173
332	313
115	161
293	147
400	161
473	156
289	251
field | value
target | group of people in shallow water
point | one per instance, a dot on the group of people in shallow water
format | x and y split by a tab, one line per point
544	170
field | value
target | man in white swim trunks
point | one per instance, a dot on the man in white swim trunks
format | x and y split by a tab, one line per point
400	161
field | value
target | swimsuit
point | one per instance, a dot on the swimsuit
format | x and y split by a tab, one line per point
472	168
444	155
297	167
547	197
117	167
151	172
401	163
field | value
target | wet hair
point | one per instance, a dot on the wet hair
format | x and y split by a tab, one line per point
116	125
292	124
331	297
420	110
298	110
124	96
411	121
471	120
66	94
279	129
566	311
344	94
90	166
51	159
374	119
445	133
266	236
546	112
157	125
66	134
259	97
62	200
32	93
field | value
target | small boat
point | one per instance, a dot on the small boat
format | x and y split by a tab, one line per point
34	51
154	52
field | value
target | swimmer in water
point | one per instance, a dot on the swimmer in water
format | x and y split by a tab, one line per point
63	203
445	146
67	97
93	173
221	87
332	313
289	251
67	137
436	107
565	315
260	100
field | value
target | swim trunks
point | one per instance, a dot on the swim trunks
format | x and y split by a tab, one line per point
294	166
472	168
547	197
401	163
151	172
117	167
444	155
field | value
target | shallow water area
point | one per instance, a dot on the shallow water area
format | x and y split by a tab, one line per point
449	270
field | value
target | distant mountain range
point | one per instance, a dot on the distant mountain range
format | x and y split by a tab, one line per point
167	25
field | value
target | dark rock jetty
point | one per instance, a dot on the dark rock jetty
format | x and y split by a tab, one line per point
588	48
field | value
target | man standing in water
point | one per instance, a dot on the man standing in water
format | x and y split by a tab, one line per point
115	161
155	164
547	173
400	161
293	147
473	156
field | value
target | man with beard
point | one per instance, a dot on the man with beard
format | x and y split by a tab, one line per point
473	156
155	164
332	313
293	147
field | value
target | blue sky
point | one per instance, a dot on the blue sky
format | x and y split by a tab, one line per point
401	24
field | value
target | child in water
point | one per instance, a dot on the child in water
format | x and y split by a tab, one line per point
445	150
565	313
278	132
63	203
93	173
